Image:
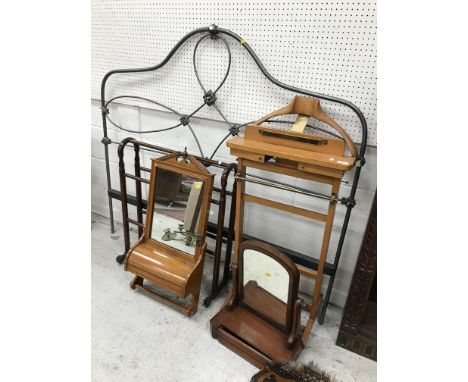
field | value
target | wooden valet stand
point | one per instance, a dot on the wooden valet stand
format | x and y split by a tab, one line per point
170	254
297	154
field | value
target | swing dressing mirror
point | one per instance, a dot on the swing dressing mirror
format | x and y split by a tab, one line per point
261	318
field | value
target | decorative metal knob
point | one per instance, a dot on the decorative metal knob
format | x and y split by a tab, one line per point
209	98
213	29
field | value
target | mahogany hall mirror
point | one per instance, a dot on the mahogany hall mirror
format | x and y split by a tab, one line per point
170	253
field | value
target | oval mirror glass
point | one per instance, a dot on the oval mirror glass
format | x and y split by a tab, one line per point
265	285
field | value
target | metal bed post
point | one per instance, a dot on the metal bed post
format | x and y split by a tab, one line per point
106	142
123	193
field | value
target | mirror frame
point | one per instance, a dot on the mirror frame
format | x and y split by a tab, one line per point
287	264
177	163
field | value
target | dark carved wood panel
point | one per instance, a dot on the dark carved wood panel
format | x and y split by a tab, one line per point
358	331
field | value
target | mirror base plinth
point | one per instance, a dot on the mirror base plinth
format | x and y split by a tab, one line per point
260	350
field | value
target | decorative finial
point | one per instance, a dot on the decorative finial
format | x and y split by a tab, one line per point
213	29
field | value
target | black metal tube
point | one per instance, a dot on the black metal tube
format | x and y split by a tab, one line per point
108	176
123	194
287	187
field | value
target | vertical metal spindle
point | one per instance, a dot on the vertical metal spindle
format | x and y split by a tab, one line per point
123	198
106	141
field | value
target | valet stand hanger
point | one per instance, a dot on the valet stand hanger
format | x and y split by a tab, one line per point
297	154
309	108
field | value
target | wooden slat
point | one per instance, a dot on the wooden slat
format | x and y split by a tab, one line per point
284	207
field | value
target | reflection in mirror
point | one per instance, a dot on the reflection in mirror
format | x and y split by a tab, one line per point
261	273
177	210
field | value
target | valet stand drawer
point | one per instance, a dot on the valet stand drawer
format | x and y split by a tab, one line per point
243	349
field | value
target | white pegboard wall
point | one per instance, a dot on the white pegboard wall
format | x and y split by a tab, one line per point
325	46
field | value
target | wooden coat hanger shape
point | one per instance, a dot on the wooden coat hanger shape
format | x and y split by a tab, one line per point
311	107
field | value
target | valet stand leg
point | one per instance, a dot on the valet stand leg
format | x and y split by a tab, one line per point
323	257
239	217
123	196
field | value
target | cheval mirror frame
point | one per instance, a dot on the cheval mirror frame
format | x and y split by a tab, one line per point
253	330
163	265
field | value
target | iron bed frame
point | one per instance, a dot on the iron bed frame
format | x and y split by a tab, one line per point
209	99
